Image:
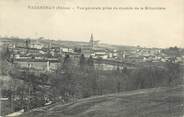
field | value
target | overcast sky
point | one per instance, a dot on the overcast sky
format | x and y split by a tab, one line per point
148	28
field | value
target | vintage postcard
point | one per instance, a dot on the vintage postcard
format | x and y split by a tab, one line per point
91	58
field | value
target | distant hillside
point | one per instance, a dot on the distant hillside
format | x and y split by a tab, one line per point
155	102
65	43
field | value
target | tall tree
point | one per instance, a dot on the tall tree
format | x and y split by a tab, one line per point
67	64
82	62
90	63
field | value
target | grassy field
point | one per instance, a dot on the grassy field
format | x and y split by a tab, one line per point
154	102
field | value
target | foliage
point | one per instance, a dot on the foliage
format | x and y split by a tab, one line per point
148	77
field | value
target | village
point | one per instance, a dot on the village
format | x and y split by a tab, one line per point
46	56
40	72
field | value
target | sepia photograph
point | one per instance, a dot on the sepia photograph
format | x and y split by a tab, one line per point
90	58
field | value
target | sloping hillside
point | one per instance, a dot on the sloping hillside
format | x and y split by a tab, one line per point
155	102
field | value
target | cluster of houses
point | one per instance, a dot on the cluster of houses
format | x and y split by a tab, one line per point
47	56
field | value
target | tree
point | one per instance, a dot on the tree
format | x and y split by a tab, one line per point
174	73
90	63
67	64
4	57
82	62
147	77
172	52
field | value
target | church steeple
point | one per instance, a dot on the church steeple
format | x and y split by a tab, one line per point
91	41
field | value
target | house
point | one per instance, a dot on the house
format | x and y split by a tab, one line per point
87	52
100	53
67	50
37	46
